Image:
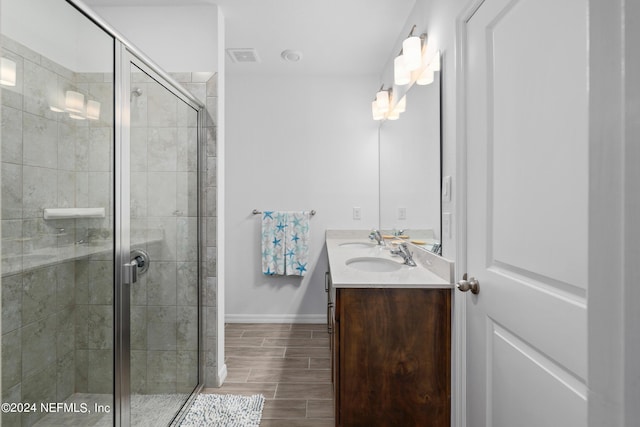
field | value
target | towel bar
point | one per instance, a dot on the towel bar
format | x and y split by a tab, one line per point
257	212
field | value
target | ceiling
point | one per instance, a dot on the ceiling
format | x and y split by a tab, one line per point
335	37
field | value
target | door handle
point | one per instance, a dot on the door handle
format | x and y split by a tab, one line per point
139	265
130	272
141	257
472	285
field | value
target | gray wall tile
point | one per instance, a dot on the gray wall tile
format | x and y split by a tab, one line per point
11	135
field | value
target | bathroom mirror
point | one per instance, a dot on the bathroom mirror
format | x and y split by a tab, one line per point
410	167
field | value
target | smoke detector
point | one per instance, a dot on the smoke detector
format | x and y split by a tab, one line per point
243	55
291	55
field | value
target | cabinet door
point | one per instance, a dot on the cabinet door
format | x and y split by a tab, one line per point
335	357
394	357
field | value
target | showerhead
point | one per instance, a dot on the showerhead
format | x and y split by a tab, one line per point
135	92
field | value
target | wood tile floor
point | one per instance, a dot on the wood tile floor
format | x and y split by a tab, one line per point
289	364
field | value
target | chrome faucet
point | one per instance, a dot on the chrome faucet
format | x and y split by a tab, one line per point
399	232
375	235
407	256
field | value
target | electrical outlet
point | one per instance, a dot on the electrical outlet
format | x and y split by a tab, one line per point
402	213
357	213
446	224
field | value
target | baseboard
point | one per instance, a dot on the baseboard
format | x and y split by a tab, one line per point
222	375
275	318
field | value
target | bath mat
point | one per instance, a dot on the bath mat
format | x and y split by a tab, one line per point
225	410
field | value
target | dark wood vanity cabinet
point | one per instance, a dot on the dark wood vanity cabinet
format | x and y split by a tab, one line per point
391	356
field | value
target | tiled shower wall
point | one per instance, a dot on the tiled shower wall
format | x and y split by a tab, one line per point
211	237
205	87
57	323
164	313
51	160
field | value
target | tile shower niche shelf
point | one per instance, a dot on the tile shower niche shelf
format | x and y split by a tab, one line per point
13	264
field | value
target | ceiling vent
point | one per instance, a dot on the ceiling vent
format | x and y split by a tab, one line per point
243	55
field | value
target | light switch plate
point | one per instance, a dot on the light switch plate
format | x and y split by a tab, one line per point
446	189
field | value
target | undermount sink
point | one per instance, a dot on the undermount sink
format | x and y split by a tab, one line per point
372	264
358	244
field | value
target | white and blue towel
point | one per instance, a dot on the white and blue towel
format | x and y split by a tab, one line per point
285	242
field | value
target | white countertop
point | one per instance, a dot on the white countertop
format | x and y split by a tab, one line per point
432	270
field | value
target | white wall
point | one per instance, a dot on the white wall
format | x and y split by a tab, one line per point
611	297
410	163
180	38
438	19
294	143
59	32
270	117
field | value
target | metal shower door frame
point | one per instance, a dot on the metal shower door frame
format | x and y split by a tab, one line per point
125	54
125	58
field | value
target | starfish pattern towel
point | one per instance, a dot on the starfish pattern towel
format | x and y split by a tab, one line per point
285	242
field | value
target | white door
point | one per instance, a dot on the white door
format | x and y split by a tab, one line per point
527	159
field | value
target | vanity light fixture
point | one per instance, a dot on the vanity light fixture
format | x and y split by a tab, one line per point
412	52
425	78
380	107
93	110
432	65
56	109
383	100
57	101
74	105
383	110
375	111
74	102
417	64
410	58
401	106
393	114
401	75
7	72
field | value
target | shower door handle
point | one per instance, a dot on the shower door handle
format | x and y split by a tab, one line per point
130	272
139	264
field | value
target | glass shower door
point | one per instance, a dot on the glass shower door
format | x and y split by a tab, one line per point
164	236
57	91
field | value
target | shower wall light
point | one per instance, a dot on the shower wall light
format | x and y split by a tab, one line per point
7	72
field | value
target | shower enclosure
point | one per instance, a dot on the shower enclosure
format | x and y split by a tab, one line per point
101	281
